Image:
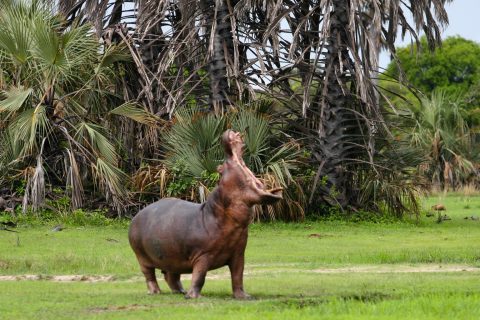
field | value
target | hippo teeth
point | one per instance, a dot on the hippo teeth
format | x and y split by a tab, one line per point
275	190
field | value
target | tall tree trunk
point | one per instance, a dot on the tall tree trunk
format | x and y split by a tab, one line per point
334	118
219	35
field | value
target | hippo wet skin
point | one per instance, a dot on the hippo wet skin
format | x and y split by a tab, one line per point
177	236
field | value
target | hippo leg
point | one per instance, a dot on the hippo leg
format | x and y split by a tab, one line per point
151	279
198	279
236	266
173	281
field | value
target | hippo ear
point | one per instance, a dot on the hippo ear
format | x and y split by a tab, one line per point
220	169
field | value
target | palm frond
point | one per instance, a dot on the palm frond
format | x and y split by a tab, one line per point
46	46
194	141
15	35
112	181
15	99
257	137
38	182
35	188
97	141
112	55
74	180
395	185
79	45
135	112
61	56
27	127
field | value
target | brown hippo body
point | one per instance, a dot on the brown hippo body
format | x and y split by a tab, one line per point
178	236
172	234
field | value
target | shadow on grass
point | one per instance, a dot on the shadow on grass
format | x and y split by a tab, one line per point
372	297
302	301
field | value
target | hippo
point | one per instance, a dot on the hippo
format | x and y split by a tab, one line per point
179	237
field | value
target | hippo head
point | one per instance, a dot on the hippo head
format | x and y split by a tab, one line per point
237	181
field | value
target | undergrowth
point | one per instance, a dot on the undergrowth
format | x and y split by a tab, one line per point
77	217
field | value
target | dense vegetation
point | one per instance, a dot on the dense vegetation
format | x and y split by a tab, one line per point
437	96
111	104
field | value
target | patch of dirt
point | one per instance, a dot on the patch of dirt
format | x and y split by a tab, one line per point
394	268
130	307
426	268
319	235
315	235
58	278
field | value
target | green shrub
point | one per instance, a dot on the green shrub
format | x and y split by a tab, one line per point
194	151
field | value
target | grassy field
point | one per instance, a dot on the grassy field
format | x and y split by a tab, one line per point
327	270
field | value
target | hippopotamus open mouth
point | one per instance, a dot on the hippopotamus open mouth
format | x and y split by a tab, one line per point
234	146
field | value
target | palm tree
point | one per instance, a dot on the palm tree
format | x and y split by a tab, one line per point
196	52
441	131
57	95
182	49
333	51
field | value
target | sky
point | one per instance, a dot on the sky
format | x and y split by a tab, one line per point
464	21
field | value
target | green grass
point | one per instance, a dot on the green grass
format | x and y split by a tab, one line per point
335	296
280	272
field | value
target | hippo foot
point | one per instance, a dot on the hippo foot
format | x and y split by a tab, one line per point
153	288
181	291
192	295
242	295
152	292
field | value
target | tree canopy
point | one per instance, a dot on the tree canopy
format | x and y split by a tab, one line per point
454	67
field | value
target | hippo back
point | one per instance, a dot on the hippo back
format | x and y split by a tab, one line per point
169	214
163	224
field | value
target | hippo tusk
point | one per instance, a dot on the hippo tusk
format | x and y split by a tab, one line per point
275	190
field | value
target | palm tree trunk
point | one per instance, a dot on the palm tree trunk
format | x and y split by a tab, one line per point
332	109
219	36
